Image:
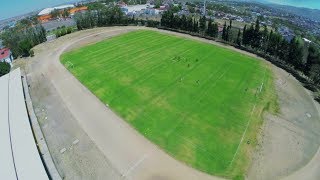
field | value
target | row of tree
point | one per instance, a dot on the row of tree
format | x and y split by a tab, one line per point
63	31
101	16
105	16
21	38
304	57
190	24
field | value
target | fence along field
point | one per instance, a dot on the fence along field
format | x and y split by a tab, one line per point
200	103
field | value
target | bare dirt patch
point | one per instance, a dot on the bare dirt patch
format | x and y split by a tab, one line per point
290	139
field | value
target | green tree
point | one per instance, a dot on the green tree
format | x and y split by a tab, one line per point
209	30
189	24
215	30
229	31
283	49
195	26
183	22
96	6
4	68
157	4
167	19
227	37
264	38
296	53
312	59
55	13
224	31
65	13
245	40
238	41
175	9
256	35
250	35
20	41
274	43
25	46
314	73
202	23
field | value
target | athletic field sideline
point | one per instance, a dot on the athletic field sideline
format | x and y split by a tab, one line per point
200	103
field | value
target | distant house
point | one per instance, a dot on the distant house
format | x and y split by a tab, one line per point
6	55
45	14
137	9
306	40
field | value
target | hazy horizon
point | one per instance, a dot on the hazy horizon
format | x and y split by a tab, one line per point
311	4
17	7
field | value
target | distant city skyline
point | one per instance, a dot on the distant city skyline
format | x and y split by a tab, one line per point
14	8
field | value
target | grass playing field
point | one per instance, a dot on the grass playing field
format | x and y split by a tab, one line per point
200	103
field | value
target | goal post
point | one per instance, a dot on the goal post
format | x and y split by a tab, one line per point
69	65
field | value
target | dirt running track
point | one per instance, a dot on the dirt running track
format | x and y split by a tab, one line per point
126	153
108	148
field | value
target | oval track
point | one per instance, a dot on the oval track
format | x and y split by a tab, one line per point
125	153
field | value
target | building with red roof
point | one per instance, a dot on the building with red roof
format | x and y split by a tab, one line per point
6	55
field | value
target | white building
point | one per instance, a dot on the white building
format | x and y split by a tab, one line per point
49	10
134	9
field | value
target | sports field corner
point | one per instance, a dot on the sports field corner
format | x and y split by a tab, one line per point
200	103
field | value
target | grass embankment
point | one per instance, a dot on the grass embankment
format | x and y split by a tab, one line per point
192	99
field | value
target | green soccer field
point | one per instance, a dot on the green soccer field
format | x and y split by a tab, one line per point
200	103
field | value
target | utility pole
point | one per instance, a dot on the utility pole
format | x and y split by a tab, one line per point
204	8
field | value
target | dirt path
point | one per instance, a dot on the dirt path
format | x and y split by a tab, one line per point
290	139
109	148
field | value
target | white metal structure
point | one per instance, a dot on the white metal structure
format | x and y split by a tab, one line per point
49	10
20	158
7	169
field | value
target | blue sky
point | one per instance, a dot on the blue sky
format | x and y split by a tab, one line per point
313	4
10	8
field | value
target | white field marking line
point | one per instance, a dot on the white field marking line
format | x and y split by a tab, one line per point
95	34
114	68
159	94
129	51
98	52
244	133
146	77
199	147
69	64
215	82
101	51
135	165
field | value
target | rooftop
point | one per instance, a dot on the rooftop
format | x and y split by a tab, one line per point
4	53
49	10
136	8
